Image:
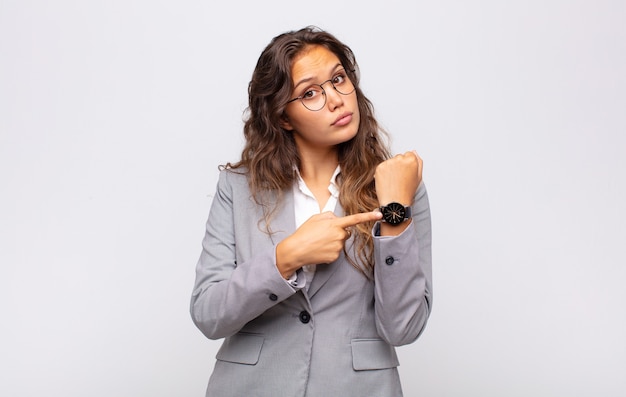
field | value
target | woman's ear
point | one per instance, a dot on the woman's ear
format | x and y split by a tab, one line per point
284	123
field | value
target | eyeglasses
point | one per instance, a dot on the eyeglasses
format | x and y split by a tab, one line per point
314	97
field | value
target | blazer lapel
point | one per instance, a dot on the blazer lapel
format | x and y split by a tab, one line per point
283	222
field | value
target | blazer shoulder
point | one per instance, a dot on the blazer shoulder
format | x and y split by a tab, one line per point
233	179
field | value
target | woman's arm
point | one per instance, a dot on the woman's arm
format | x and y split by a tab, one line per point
227	295
403	263
403	277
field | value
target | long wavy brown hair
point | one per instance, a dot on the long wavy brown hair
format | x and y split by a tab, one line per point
270	152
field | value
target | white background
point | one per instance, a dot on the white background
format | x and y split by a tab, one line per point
114	116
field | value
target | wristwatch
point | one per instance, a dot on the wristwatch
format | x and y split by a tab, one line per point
395	213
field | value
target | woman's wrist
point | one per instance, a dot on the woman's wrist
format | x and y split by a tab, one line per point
391	230
285	262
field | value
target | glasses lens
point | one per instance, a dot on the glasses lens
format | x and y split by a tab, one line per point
315	98
343	84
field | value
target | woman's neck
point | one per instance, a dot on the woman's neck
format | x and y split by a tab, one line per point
316	171
318	166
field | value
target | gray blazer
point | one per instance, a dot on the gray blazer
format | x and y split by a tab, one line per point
334	340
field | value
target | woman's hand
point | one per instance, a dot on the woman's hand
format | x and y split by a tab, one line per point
397	180
318	240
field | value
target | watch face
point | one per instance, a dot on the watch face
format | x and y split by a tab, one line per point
394	213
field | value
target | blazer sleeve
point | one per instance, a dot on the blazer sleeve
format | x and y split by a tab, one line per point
403	277
226	294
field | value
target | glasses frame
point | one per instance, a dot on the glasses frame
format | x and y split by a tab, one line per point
301	97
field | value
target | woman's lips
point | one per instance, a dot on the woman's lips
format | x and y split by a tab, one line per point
344	119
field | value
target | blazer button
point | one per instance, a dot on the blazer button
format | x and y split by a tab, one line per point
273	297
389	260
305	317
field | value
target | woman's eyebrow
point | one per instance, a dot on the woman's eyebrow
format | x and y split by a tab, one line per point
308	79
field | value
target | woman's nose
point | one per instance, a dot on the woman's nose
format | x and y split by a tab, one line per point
333	98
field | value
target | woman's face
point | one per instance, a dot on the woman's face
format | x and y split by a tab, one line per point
338	120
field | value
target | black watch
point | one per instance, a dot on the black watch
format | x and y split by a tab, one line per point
395	213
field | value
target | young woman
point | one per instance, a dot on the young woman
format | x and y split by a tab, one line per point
317	256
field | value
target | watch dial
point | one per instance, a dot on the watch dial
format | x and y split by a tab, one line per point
394	213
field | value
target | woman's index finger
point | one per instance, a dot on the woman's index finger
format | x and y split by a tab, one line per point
355	219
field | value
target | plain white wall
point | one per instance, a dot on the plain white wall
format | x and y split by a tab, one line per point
115	114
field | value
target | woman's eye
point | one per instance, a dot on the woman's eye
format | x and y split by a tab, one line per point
340	78
312	93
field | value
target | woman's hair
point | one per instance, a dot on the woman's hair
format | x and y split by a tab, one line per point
270	153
